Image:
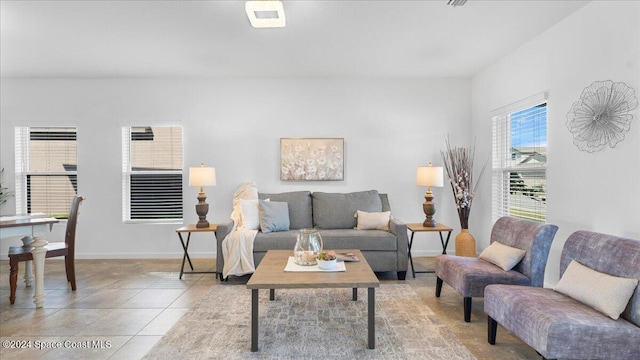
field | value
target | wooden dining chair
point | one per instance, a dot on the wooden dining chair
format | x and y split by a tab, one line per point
66	249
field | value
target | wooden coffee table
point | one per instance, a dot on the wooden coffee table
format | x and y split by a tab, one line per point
270	275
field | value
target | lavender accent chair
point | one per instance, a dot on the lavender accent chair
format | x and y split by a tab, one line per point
557	326
469	276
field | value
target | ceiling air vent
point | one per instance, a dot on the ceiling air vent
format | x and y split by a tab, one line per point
456	3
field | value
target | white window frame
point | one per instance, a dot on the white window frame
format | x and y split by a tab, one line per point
127	172
501	168
22	140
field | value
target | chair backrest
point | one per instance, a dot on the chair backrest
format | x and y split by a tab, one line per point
72	221
608	254
533	237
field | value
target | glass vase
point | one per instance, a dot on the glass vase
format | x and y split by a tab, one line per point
308	246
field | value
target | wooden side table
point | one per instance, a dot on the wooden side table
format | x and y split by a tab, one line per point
418	227
191	228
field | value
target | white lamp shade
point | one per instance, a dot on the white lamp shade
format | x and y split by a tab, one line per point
429	176
202	176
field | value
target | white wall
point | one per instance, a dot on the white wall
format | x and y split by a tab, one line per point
390	127
586	191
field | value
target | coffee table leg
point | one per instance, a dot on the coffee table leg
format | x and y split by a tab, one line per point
371	318
254	320
355	294
272	294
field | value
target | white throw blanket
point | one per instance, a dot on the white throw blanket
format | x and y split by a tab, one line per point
237	246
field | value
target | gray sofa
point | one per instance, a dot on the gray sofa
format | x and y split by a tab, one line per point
333	215
559	327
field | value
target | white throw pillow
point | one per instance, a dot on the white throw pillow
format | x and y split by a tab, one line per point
250	214
372	220
502	255
606	293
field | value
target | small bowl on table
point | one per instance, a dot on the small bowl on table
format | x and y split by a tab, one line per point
326	264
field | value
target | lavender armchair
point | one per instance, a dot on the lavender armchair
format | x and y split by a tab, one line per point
469	276
557	326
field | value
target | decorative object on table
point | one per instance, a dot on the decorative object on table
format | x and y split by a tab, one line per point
308	247
311	159
602	115
458	163
429	176
327	260
202	176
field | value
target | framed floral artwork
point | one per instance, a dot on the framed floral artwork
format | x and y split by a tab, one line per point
312	159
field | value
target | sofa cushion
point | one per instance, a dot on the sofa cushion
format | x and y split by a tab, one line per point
364	240
274	216
558	326
300	216
605	293
336	210
282	240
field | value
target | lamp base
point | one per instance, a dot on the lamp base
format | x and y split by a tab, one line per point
202	208
202	223
430	223
429	210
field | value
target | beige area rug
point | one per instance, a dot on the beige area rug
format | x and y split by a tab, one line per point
310	324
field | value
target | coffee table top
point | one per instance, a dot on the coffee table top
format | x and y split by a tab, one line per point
270	274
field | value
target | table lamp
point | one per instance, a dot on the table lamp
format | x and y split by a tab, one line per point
202	176
429	176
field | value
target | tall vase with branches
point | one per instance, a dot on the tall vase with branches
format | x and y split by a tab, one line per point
458	163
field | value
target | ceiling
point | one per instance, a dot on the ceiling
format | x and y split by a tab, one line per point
214	38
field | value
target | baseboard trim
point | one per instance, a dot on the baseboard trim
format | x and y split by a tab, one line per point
171	255
198	255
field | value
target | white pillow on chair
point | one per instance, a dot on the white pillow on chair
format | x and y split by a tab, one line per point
606	293
506	257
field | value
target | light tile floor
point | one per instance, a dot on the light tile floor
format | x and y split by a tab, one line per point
123	307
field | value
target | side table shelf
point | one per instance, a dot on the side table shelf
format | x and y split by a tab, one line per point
191	228
418	227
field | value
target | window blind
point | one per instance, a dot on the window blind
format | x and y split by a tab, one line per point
519	148
152	173
46	169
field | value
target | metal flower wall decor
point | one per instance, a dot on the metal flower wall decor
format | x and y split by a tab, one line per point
602	115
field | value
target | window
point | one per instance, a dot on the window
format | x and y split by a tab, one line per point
519	175
46	170
152	174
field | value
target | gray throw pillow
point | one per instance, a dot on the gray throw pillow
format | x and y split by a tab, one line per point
274	216
299	207
336	210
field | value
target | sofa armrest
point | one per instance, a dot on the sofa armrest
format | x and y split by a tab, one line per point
399	229
223	230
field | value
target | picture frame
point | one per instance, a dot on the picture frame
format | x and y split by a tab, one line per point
311	159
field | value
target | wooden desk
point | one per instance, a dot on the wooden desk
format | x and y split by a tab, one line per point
418	227
191	228
36	226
